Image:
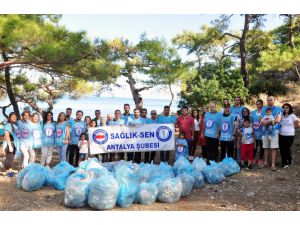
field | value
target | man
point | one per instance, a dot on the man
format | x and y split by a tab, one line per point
69	114
126	113
109	119
136	120
151	120
225	102
166	118
97	118
144	113
77	127
186	124
271	145
237	108
117	121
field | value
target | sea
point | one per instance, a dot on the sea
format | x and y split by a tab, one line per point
89	104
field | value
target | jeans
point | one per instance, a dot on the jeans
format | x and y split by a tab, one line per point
190	146
261	150
164	156
62	153
46	156
9	157
152	156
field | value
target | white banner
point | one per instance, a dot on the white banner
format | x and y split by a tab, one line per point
138	138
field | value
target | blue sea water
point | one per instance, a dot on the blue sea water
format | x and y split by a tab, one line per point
106	104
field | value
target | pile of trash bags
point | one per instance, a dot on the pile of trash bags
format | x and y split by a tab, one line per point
102	186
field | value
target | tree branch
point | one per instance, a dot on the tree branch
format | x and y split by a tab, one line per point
143	88
4	110
231	35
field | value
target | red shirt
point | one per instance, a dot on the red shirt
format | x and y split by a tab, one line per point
186	125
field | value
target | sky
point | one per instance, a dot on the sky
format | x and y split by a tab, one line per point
132	26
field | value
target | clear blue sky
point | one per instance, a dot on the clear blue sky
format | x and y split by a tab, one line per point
132	26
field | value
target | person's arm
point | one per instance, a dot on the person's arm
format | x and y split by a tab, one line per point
238	141
67	138
193	128
8	141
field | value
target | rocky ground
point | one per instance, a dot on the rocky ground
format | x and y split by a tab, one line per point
257	189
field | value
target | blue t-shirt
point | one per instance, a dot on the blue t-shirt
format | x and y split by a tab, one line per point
14	133
181	150
166	119
76	129
212	122
37	135
134	121
49	134
117	122
238	112
275	112
256	118
60	133
25	133
150	121
227	127
125	118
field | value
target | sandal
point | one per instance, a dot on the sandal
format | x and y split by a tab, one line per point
273	169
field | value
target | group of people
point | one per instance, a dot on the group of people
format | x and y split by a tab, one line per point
239	132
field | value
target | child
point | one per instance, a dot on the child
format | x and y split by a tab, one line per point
268	129
248	143
181	146
83	148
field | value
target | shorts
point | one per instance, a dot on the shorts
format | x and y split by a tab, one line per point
83	155
273	143
247	151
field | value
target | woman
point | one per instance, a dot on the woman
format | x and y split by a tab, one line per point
25	139
201	138
286	134
256	119
10	143
37	132
240	124
48	139
196	117
87	121
62	135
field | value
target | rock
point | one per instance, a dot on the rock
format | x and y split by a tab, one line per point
250	194
212	197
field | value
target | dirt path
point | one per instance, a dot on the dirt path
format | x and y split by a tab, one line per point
257	189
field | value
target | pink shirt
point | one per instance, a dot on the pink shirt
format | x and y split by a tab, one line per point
186	125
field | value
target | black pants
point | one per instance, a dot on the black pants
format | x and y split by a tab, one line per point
261	150
227	147
212	148
204	152
137	157
164	156
73	150
9	157
285	144
130	156
151	158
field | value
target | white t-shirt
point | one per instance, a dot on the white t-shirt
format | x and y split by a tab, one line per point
247	135
197	123
287	127
83	147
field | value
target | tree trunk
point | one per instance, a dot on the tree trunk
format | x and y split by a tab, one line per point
9	90
135	94
290	28
243	51
172	94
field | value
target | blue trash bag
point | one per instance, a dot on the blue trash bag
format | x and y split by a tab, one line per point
62	167
24	171
109	166
76	191
225	168
103	193
198	164
34	179
126	194
199	179
83	164
232	164
169	190
146	193
187	181
146	172
50	177
61	180
165	169
93	164
213	174
182	165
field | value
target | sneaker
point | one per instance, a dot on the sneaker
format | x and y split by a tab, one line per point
286	166
273	169
250	167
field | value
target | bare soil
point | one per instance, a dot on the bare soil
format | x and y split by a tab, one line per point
256	189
